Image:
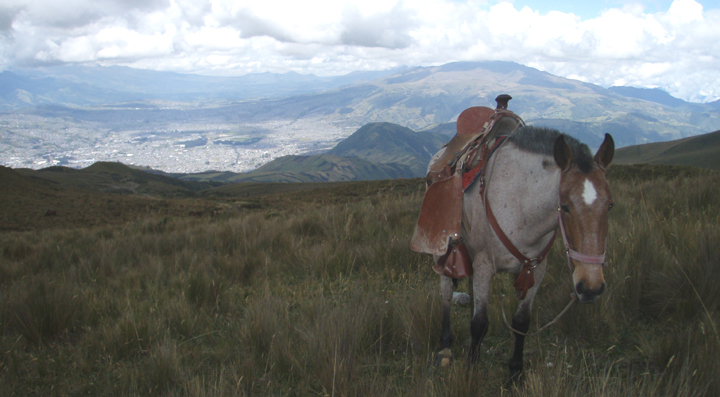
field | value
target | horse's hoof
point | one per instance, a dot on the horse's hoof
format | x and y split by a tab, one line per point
516	380
444	357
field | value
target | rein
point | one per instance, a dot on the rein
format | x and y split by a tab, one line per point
573	298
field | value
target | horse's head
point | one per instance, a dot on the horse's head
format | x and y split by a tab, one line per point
585	200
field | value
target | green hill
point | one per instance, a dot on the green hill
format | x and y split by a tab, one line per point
78	199
700	151
113	177
387	143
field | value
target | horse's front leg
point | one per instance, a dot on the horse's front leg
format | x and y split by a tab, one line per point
446	336
481	280
521	323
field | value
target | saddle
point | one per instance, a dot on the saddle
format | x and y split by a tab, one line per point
438	229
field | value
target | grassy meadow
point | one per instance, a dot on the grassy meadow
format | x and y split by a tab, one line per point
314	297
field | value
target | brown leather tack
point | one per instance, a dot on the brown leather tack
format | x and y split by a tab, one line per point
456	263
470	126
524	281
440	217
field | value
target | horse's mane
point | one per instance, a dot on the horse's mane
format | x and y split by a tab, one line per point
541	140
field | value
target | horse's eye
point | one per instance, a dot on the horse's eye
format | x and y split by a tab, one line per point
611	206
565	208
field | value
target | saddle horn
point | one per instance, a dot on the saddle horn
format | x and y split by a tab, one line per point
502	101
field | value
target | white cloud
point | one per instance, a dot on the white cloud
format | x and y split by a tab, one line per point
676	49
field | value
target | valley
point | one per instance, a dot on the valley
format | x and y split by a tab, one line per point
168	123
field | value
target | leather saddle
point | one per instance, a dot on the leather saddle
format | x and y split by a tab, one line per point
439	225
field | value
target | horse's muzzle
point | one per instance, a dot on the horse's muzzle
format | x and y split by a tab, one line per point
588	295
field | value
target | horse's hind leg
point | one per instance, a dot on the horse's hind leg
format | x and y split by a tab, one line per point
446	336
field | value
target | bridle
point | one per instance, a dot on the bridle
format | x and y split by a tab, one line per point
572	254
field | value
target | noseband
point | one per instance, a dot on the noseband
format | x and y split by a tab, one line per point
572	254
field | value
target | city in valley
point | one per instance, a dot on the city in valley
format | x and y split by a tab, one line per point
32	141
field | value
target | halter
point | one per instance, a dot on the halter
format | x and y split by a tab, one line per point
572	254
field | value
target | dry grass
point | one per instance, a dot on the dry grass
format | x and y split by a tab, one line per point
302	296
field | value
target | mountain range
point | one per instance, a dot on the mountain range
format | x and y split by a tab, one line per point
422	99
97	86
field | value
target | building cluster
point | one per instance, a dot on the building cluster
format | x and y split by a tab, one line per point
28	141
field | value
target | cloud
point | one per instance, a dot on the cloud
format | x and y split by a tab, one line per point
7	15
674	49
385	29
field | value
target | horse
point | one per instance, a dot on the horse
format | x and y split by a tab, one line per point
537	181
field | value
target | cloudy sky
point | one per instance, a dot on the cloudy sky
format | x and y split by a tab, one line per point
674	45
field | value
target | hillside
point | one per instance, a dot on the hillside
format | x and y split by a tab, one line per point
116	177
323	168
78	200
700	151
315	291
81	199
387	143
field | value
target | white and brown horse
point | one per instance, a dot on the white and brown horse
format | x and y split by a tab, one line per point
538	180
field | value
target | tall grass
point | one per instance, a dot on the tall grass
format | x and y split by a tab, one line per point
304	298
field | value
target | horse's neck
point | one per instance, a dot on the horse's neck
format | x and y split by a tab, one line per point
523	188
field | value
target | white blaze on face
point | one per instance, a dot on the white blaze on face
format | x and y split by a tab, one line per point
589	192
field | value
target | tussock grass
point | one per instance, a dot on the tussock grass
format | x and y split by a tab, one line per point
308	296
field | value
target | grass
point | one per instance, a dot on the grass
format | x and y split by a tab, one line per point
310	293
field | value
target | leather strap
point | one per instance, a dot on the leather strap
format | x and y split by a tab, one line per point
525	279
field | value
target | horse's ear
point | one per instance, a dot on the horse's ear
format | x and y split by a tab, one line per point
605	154
562	154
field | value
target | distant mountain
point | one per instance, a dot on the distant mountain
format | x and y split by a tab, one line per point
700	151
421	97
17	91
424	99
89	85
387	143
649	94
430	96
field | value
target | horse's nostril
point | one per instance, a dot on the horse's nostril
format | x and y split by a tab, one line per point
580	288
587	293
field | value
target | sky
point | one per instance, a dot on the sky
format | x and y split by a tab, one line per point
672	45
